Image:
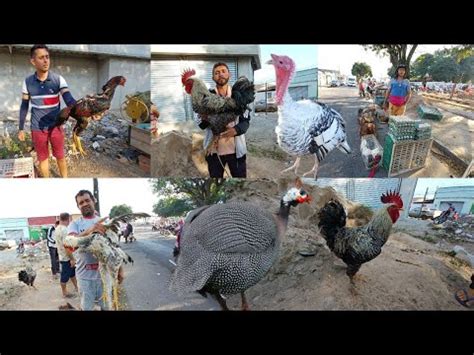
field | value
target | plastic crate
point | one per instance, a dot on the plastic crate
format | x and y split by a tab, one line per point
370	148
404	156
20	167
378	100
429	112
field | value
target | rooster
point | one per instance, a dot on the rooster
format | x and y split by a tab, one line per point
220	110
89	107
107	250
356	246
305	127
27	276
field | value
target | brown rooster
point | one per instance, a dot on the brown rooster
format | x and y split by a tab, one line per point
89	107
356	246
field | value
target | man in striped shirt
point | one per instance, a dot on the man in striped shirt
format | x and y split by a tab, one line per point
41	91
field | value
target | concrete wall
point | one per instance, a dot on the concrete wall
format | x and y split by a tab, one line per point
237	50
14	224
136	71
79	72
122	50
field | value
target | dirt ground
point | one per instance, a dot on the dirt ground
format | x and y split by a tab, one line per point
110	161
409	274
454	130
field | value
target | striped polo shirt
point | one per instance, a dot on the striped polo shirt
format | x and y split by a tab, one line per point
44	99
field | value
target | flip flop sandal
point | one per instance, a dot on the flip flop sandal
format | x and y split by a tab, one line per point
463	302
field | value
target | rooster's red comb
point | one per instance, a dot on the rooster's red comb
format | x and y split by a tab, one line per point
187	73
392	197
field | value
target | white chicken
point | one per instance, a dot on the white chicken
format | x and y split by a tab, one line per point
305	127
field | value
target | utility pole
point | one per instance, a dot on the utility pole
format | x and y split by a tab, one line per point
423	202
266	99
96	195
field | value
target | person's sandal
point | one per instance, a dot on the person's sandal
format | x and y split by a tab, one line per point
466	300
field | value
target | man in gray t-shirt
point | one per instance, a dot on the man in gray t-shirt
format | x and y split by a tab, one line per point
87	265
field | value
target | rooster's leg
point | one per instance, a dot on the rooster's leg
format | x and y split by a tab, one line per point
78	144
115	301
294	167
314	169
245	305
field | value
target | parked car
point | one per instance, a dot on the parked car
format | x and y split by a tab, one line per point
423	213
269	107
334	83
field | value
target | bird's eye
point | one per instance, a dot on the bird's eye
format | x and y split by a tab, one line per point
281	62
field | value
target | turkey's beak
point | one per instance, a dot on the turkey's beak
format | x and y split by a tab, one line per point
269	62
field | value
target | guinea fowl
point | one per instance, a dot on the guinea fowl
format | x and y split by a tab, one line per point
356	246
228	248
27	276
107	250
220	110
91	106
305	127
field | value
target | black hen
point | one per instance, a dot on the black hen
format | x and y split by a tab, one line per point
27	276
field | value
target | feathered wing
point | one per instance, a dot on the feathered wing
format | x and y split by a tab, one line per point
306	127
221	236
125	218
243	92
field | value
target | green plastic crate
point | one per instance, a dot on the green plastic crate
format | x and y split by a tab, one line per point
429	112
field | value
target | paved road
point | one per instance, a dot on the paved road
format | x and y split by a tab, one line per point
146	282
346	101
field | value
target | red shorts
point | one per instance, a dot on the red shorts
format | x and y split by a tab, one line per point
40	141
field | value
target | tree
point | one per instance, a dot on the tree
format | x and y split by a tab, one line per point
422	66
466	67
172	207
361	70
398	54
198	192
444	68
119	210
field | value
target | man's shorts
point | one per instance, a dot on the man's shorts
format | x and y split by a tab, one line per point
67	271
40	141
91	292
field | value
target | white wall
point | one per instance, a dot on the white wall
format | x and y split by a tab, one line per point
137	73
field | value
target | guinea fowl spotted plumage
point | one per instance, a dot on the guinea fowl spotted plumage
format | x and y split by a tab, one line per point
89	107
305	127
220	110
107	250
227	248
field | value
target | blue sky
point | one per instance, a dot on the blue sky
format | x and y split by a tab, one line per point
433	184
304	56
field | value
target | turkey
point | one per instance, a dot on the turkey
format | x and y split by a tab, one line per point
228	248
305	127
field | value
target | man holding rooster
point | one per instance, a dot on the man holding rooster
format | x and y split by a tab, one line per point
231	148
41	91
